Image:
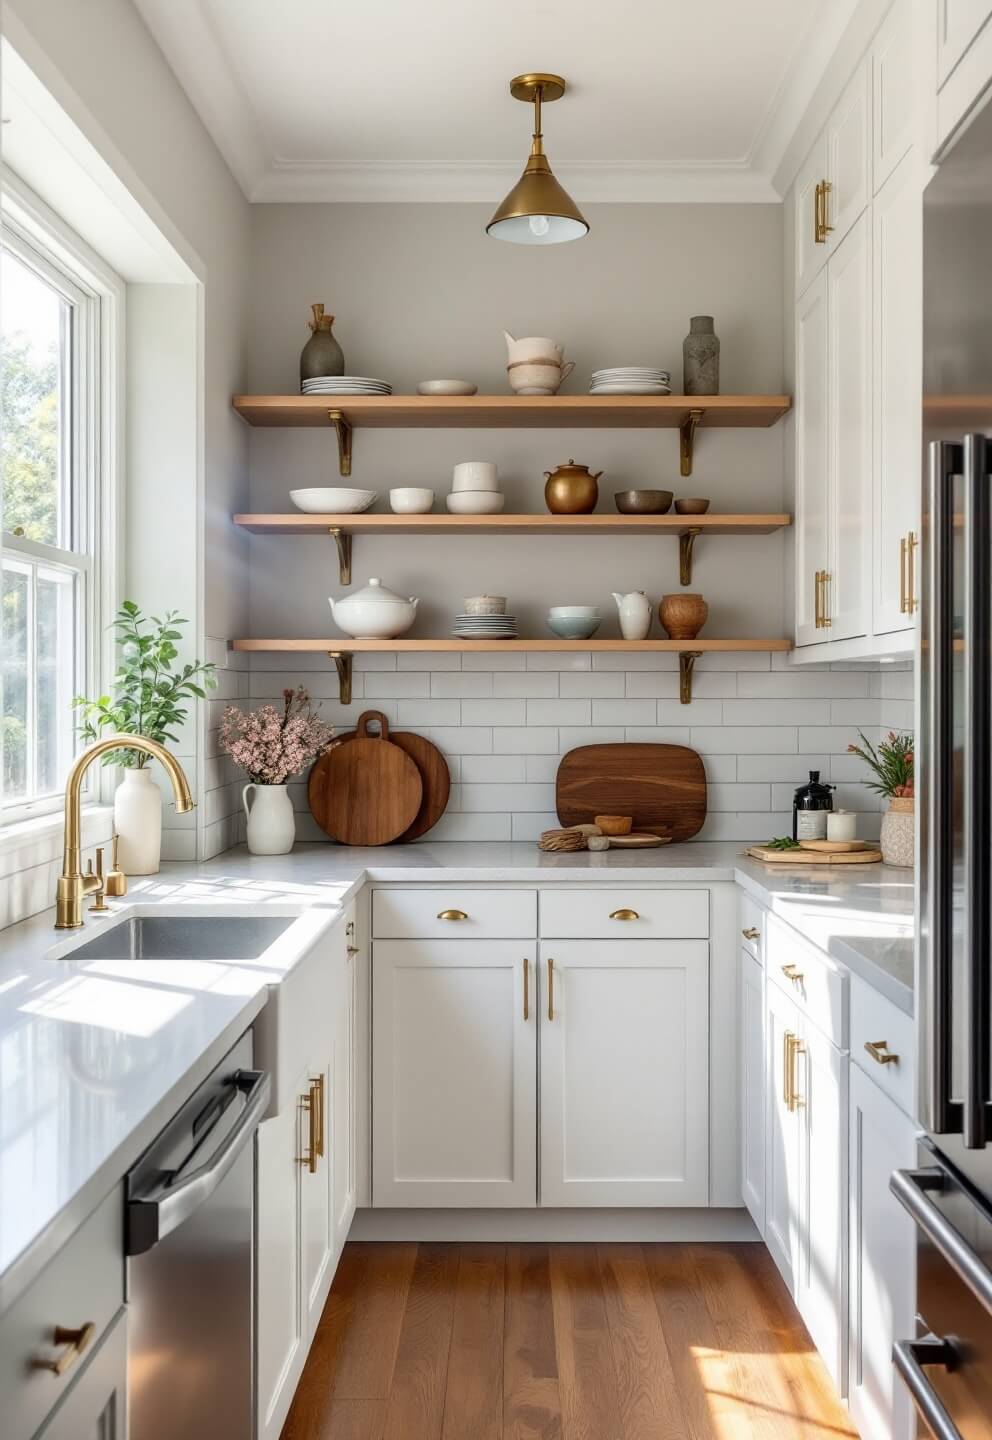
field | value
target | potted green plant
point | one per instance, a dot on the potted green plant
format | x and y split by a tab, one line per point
892	763
151	698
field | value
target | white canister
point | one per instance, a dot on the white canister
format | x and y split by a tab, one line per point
271	822
138	822
842	825
475	475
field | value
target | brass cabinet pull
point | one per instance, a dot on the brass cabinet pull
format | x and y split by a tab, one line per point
793	973
903	602
310	1158
526	988
788	1038
350	949
76	1341
798	1048
317	1089
750	933
625	915
816	601
825	620
879	1051
911	601
820	227
551	988
451	915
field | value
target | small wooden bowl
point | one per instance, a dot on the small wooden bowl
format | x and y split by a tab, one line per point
615	824
692	507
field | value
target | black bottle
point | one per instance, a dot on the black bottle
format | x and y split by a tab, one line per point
810	806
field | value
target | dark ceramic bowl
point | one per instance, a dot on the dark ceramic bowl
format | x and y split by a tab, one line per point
691	507
643	502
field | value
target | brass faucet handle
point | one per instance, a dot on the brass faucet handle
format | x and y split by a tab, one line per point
99	906
115	883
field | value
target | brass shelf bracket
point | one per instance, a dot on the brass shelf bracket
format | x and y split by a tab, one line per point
342	540
687	435
687	541
343	429
343	662
687	660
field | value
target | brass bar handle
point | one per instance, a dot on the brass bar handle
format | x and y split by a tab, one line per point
793	973
798	1048
317	1086
349	930
912	603
825	619
451	915
310	1158
750	933
625	915
526	988
76	1341
903	602
787	1069
816	600
879	1051
821	229
551	988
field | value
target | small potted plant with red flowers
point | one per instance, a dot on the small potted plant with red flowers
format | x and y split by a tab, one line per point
893	765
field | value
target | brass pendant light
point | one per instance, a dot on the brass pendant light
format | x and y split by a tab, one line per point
538	211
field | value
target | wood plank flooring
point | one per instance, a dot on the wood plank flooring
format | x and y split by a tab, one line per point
562	1342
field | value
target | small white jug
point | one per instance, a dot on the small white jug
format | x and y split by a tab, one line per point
635	612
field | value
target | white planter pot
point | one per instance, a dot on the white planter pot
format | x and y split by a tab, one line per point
138	822
898	842
271	822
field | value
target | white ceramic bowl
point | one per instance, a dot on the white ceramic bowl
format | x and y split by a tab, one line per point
485	605
534	379
332	500
575	612
476	502
446	387
474	475
411	500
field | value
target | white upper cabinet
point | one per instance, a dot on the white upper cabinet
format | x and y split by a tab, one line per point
810	232
848	158
844	591
893	74
958	25
812	487
897	264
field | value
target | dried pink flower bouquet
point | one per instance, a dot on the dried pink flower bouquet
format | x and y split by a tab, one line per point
270	747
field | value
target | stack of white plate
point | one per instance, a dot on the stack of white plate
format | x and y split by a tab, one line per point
486	627
345	385
631	380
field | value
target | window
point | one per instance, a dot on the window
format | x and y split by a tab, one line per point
53	489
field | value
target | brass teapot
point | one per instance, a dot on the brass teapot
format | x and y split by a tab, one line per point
571	489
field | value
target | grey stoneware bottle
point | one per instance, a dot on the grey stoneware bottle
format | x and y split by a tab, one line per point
322	355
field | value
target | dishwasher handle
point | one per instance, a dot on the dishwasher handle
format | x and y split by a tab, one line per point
152	1216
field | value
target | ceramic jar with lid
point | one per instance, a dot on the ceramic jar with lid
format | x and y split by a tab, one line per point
374	613
571	489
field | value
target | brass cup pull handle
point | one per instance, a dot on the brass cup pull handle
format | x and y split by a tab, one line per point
625	915
526	988
309	1104
551	989
75	1341
879	1051
750	933
451	915
793	973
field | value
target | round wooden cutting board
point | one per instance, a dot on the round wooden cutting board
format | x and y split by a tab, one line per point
366	790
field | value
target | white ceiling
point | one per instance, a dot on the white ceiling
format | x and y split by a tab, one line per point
399	100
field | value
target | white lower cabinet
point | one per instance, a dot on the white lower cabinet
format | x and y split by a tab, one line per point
782	1136
751	1001
624	1072
95	1407
454	1073
882	1287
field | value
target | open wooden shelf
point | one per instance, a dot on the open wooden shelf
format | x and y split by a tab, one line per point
500	411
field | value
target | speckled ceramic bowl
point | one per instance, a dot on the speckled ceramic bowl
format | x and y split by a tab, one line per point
643	502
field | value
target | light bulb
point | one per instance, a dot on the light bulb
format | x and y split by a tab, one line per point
539	224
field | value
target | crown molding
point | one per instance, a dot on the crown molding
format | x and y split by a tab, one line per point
355	182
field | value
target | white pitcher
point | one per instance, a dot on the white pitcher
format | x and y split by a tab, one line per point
271	822
635	611
533	350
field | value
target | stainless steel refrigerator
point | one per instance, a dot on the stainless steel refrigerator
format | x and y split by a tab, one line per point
948	1363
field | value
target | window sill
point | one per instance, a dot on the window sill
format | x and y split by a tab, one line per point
39	840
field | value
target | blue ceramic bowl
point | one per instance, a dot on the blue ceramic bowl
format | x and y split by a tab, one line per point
574	627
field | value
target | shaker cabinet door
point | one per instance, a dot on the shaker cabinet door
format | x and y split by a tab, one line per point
624	1072
848	157
752	1058
812	483
810	240
454	1073
280	1342
782	1135
95	1406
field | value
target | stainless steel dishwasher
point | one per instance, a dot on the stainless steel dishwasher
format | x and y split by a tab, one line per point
190	1272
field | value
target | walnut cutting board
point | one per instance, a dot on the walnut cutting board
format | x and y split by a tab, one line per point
366	791
434	775
813	857
662	786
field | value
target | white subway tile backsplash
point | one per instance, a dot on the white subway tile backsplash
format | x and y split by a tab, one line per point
470	827
432	712
527	826
461	739
377	660
571	736
859	714
591	684
541	769
752	826
558	660
432	660
526	740
507	797
657	734
665	684
527	683
741	797
494	660
624	712
494	769
827	738
772	712
794	768
631	660
559	712
461	683
494	712
398	684
796	684
703	712
732	739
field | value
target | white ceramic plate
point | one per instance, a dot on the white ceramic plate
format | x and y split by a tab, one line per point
630	388
447	387
332	500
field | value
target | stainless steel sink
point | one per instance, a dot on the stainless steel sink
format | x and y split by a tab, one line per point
185	937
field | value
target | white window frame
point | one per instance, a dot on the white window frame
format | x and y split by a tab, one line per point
39	238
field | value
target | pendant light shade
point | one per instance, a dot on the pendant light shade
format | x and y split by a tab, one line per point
538	211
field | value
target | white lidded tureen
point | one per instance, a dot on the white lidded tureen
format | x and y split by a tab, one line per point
374	613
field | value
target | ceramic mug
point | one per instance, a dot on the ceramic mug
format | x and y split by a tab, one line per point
474	475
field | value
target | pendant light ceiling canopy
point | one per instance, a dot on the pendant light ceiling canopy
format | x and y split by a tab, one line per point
538	211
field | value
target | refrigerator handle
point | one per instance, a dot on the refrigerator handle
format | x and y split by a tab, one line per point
976	786
910	1357
937	641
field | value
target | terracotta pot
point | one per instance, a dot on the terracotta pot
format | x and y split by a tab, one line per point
898	842
571	489
682	615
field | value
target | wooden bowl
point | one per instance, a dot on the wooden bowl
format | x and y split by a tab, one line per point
643	502
615	824
682	615
691	507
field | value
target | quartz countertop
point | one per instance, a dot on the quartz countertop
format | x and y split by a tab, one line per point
96	1056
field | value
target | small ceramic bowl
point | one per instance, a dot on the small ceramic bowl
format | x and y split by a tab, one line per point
574	627
615	824
446	387
574	612
691	507
485	605
411	500
643	502
476	502
332	500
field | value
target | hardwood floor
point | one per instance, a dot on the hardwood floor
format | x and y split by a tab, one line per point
562	1342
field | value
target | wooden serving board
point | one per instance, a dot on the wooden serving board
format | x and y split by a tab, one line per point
813	857
837	847
638	842
366	791
434	776
662	786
